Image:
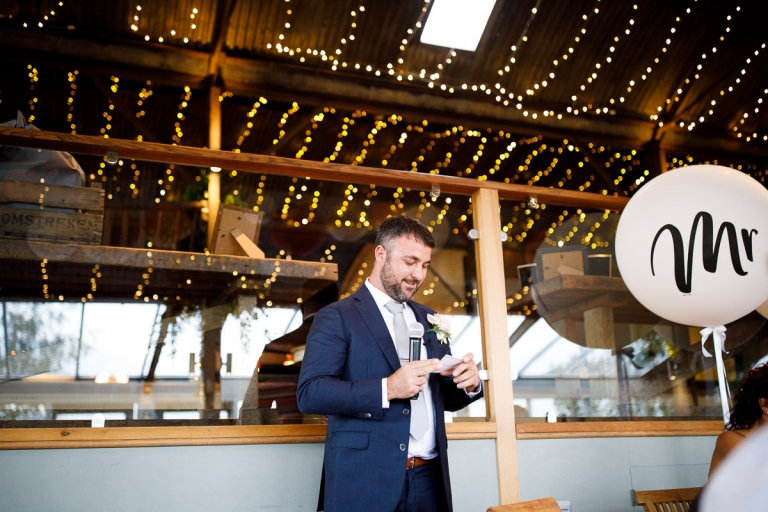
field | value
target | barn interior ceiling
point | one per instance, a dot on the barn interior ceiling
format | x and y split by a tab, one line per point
584	95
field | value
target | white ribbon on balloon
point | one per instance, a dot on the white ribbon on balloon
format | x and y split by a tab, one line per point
718	340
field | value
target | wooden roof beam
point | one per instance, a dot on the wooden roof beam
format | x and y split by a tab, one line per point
253	77
224	11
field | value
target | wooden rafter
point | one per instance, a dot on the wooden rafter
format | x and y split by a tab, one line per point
224	10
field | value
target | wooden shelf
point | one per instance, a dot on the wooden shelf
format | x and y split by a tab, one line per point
190	276
570	296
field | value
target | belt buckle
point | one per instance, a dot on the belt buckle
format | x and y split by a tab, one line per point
412	461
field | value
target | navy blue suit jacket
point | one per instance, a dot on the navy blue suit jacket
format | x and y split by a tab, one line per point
349	350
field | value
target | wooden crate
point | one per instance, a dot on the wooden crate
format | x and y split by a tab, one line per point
55	213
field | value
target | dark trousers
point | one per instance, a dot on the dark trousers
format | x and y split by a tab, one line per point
423	490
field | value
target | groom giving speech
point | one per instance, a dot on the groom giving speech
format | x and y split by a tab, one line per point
386	448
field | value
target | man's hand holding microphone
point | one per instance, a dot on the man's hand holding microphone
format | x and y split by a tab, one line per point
410	378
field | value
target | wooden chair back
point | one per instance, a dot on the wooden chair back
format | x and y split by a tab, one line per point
668	500
543	505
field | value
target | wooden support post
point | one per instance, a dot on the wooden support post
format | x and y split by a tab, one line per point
656	158
598	328
210	357
214	142
7	355
210	363
493	322
106	232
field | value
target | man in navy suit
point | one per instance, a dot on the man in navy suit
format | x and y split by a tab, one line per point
385	451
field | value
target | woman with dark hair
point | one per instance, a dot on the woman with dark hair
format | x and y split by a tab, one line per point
749	412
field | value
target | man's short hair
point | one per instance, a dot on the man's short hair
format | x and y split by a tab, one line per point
401	226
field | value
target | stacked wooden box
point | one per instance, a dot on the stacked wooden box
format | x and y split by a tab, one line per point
51	213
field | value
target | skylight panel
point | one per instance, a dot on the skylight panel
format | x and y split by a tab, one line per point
457	24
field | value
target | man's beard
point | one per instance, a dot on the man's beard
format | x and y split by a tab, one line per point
392	285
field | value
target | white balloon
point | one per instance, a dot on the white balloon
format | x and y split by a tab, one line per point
707	276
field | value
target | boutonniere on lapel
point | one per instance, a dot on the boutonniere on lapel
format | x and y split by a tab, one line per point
441	327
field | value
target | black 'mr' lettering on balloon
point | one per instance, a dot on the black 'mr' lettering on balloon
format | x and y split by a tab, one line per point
746	236
710	248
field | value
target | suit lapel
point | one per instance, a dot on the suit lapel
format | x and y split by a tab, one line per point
372	318
430	339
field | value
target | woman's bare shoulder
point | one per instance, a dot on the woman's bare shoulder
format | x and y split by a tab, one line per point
726	443
730	438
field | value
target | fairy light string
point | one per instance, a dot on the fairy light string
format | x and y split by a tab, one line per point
180	118
107	114
94	284
457	142
608	60
395	147
33	79
524	167
398	70
523	38
144	95
378	126
72	79
316	120
671	102
422	152
349	121
503	155
410	33
44	276
725	91
146	277
46	17
192	15
345	40
283	121
478	153
249	124
136	19
737	127
286	26
531	91
314	196
665	46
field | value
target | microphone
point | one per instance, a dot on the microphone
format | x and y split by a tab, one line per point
415	333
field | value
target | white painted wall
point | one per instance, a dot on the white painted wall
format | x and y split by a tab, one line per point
598	475
282	478
595	475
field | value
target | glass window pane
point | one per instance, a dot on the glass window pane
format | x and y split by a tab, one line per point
151	329
583	347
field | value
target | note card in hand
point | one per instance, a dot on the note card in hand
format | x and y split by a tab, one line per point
449	363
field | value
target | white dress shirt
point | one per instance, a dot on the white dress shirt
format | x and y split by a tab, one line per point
424	448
